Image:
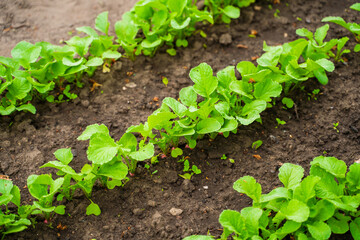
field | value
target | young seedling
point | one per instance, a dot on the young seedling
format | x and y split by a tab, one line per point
314	207
255	145
335	125
189	172
314	94
280	122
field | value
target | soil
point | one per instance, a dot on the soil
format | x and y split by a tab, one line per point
141	209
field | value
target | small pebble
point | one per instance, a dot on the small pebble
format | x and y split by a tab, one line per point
175	211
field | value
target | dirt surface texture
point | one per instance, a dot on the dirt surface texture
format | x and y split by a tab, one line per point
163	205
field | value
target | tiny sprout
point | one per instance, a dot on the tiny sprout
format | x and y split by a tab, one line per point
257	144
280	122
223	157
165	81
335	125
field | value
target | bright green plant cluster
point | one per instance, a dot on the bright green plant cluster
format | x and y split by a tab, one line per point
322	203
11	222
46	190
35	69
354	28
160	22
225	10
214	104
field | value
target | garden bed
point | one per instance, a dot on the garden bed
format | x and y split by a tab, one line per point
132	90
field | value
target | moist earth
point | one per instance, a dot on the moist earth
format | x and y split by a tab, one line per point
162	205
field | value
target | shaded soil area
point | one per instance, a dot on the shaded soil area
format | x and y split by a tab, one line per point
141	209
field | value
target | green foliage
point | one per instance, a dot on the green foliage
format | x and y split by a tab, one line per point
314	207
354	28
225	10
161	23
36	69
255	145
110	173
189	172
11	222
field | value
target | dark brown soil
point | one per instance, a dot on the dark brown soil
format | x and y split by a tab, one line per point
140	210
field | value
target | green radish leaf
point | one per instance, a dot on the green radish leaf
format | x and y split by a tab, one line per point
199	237
60	210
306	189
331	165
288	102
355	6
188	96
226	76
92	129
176	25
324	209
177	6
68	61
208	125
94	62
27	107
320	33
231	11
102	148
303	32
246	68
147	44
338	20
248	186
321	76
101	22
8	110
252	216
19	88
111	54
205	82
326	64
242	88
267	89
16	197
296	211
178	108
353	177
64	155
256	106
357	48
319	230
339	224
117	171
233	221
290	175
288	228
93	209
6	186
88	30
143	153
159	119
355	228
176	152
25	53
277	193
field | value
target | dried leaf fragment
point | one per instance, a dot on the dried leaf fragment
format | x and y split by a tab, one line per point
241	46
258	157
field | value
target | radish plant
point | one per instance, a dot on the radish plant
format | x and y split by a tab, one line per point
159	22
354	28
35	69
11	222
313	207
